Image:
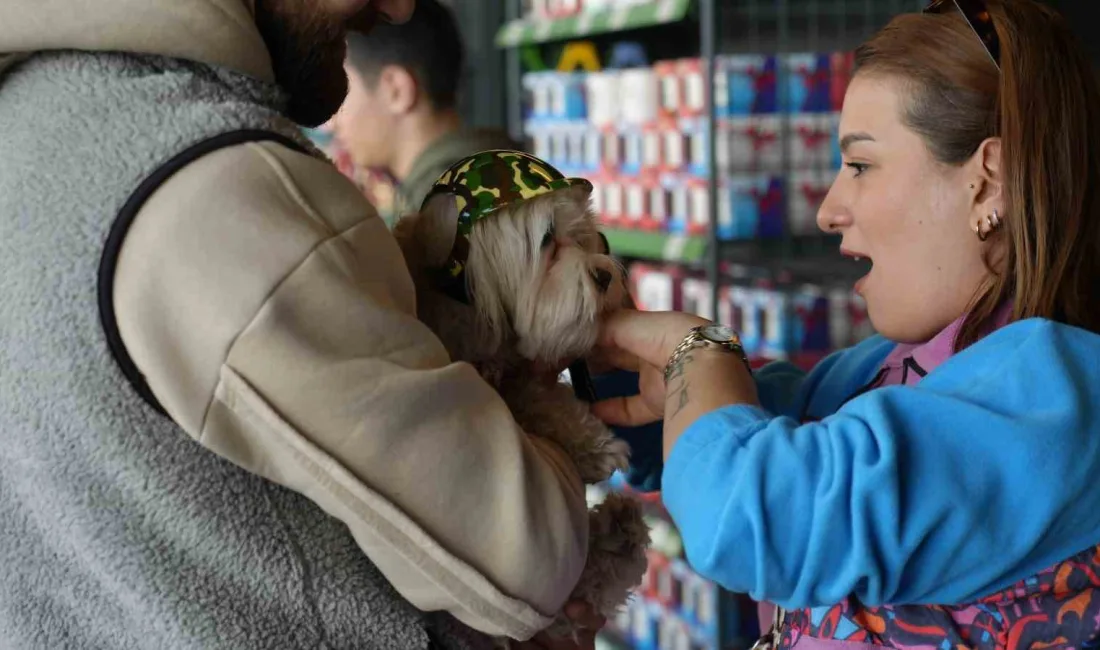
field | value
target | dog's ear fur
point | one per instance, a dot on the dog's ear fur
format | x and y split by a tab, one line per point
427	237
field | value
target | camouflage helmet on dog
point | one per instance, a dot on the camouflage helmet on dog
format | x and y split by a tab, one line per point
490	180
485	183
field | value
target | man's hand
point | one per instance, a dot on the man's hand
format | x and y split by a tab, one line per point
582	615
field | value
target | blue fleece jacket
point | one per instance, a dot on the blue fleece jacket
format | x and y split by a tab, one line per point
985	473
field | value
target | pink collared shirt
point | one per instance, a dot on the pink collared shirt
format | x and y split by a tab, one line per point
910	362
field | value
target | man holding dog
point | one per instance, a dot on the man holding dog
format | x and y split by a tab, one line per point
224	425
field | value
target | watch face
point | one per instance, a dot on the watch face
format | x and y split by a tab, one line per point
719	334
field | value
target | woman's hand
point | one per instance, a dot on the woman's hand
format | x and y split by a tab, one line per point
582	615
637	410
648	336
642	342
703	380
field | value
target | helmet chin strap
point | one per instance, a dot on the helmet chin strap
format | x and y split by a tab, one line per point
451	277
581	378
454	286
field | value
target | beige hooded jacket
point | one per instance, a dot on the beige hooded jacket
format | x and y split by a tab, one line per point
270	311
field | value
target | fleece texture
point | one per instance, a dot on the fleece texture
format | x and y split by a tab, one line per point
119	531
221	33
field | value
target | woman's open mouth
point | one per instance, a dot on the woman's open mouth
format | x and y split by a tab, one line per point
864	261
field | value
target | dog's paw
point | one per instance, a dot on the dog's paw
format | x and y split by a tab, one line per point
598	458
616	563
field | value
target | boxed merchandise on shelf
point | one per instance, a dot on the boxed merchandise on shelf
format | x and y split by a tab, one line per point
750	143
641	133
809	79
639	96
603	97
751	206
813	142
553	95
805	192
746	85
679	609
802	321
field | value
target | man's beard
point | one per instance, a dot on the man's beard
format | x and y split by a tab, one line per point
307	48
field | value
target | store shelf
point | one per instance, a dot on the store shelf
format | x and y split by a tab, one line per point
530	31
805	258
806	255
656	246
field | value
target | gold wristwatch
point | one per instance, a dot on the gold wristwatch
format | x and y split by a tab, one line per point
713	337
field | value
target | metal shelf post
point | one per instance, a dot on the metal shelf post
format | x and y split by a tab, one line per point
708	38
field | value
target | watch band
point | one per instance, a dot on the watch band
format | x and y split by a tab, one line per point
695	339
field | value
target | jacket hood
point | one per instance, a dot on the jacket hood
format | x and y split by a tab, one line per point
215	32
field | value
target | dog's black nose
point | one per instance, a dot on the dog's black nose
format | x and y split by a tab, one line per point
602	278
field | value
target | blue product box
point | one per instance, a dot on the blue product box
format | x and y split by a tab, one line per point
807	80
778	329
750	82
575	94
810	307
751	206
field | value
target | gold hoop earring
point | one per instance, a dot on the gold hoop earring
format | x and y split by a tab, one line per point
992	222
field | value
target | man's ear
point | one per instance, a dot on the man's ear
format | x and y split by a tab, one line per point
400	91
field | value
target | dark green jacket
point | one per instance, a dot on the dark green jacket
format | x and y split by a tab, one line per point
435	160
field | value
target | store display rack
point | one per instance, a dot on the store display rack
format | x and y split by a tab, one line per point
709	130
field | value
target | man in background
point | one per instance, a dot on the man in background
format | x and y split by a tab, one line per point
400	116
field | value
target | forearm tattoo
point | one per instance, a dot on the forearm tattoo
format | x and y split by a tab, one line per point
677	369
679	394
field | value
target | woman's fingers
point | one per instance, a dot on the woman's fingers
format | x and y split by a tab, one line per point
651	336
625	411
604	359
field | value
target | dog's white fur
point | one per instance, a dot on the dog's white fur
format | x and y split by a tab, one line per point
536	304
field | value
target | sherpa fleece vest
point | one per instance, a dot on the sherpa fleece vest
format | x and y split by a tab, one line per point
116	529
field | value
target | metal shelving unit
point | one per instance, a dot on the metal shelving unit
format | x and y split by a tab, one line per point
723	27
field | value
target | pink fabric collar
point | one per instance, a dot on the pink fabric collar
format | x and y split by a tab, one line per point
909	362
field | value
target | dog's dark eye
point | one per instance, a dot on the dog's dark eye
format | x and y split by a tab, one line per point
548	238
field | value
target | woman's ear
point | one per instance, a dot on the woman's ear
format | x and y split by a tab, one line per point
988	170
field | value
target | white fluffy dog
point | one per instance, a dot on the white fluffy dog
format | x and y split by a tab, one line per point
533	284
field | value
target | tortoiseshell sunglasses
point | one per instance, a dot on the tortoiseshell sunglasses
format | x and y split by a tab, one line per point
977	16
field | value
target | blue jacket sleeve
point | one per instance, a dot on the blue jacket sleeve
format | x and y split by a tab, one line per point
980	476
778	384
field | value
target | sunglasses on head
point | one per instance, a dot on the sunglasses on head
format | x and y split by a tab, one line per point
977	16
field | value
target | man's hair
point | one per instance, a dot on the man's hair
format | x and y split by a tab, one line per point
429	46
